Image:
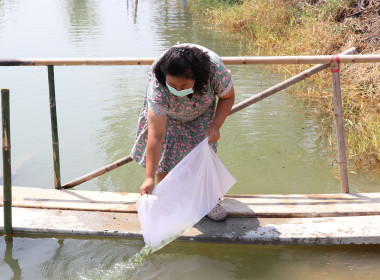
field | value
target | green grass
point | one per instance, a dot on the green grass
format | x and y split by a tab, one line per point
295	27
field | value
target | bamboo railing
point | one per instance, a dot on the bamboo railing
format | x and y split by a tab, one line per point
324	62
256	98
319	59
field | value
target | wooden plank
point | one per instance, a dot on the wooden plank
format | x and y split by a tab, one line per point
293	205
74	199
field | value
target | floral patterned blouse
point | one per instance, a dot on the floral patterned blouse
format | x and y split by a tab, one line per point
187	118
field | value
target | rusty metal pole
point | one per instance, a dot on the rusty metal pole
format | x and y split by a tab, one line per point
7	172
338	110
54	128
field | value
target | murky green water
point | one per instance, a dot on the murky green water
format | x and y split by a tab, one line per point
270	147
69	258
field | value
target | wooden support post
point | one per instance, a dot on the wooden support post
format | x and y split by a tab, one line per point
7	173
54	128
338	110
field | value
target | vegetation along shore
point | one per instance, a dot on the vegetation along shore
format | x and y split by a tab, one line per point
316	27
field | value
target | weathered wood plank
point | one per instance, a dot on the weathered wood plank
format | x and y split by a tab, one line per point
312	205
74	199
321	205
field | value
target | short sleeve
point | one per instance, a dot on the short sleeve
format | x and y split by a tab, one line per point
156	96
222	80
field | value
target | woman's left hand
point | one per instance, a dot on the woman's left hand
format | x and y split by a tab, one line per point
213	133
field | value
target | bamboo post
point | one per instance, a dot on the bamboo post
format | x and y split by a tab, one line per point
54	128
338	110
7	173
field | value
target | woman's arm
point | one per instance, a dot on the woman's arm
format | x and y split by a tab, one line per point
223	108
156	136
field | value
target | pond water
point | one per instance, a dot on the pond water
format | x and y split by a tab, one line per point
78	258
270	147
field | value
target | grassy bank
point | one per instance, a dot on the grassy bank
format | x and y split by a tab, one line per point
316	27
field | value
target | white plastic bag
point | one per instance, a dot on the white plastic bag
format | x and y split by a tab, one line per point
189	192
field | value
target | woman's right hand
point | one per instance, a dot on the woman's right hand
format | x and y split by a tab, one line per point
147	186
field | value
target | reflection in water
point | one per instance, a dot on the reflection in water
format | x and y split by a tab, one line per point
172	24
75	258
13	263
116	138
48	268
84	23
132	5
1	12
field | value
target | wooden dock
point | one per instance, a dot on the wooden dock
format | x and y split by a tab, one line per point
253	219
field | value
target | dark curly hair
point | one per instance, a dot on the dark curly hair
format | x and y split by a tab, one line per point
187	62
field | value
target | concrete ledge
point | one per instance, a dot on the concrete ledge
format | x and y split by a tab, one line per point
316	219
267	231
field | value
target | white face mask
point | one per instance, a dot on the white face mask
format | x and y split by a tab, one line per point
181	93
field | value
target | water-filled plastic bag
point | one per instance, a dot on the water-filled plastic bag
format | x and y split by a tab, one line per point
189	192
